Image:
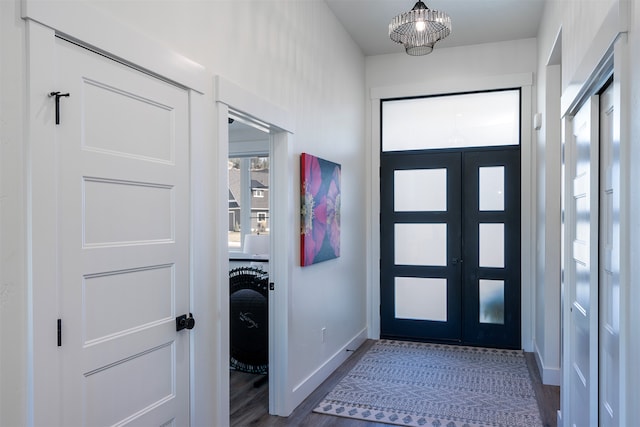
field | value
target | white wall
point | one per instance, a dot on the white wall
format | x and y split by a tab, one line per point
580	21
13	290
548	217
452	66
294	54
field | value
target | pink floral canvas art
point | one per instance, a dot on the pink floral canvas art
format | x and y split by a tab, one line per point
320	210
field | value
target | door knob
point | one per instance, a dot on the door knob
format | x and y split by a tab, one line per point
185	322
456	260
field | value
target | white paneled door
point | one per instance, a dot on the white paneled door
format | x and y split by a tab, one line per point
581	359
123	243
609	266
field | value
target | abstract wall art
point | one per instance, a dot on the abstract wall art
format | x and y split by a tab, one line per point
319	210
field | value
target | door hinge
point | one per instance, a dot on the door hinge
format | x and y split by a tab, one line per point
272	286
59	332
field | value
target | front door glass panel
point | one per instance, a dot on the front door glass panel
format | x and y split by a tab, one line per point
430	184
421	244
492	188
421	298
491	251
491	301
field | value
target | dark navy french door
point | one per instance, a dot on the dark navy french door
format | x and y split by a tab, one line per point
450	246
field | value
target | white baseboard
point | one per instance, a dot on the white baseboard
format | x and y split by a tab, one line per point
301	391
549	376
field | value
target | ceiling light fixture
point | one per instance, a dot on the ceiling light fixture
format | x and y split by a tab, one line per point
419	29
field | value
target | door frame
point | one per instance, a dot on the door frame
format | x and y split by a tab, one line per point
524	81
88	26
230	96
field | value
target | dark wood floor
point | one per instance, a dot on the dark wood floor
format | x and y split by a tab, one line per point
250	405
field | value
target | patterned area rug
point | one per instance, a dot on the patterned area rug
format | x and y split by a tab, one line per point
416	384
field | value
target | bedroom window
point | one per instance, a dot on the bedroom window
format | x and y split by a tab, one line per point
248	199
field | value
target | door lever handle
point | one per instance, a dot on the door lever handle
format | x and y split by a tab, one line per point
456	261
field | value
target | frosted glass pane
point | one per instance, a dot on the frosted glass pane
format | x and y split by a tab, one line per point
421	299
420	244
452	121
491	245
583	286
492	301
492	188
420	190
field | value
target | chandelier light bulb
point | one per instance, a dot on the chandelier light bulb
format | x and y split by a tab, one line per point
421	26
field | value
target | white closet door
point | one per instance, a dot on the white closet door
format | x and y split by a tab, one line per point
581	358
609	266
123	243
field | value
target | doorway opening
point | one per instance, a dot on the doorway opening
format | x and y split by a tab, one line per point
249	256
234	102
450	226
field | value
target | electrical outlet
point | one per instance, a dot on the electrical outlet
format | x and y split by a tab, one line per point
323	334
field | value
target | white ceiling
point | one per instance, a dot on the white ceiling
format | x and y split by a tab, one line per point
473	21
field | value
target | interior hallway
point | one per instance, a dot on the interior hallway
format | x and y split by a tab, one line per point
249	404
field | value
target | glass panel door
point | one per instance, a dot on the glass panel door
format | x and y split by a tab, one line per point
450	246
492	248
421	232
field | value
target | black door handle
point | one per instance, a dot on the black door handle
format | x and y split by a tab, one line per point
185	322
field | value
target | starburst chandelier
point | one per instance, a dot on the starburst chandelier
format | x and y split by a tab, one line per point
419	29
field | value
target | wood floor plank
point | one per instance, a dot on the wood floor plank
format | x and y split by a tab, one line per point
548	397
250	405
